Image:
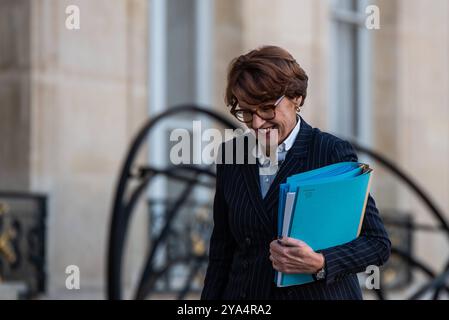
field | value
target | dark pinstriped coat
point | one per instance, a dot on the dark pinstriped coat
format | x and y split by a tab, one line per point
245	224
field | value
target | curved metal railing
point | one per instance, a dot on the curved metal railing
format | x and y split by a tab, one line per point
125	201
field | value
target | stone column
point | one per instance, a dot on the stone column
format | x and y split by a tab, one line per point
15	94
71	100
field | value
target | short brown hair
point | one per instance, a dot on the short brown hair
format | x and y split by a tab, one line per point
265	74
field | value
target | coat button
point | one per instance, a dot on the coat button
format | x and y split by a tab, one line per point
245	264
243	295
248	241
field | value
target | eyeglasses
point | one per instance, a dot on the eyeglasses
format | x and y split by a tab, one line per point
266	112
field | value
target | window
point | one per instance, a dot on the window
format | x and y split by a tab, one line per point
350	101
180	72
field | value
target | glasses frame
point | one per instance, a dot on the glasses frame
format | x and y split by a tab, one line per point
270	106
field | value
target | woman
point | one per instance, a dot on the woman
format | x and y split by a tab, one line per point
266	89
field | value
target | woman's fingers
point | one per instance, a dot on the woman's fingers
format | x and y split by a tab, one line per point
290	255
276	247
291	242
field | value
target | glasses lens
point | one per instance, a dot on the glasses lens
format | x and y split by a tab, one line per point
266	112
244	116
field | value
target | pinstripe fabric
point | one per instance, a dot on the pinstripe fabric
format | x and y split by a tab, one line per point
245	224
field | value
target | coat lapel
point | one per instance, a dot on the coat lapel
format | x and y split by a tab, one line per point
293	163
251	177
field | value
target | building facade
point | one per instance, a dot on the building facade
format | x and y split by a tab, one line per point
71	101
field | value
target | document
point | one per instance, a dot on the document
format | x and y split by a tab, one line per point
324	208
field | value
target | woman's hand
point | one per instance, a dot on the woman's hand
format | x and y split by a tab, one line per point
289	255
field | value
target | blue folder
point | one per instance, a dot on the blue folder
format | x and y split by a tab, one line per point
328	209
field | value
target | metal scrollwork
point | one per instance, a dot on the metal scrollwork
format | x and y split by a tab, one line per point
6	238
22	241
125	201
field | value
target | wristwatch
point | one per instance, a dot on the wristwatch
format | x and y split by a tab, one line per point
321	274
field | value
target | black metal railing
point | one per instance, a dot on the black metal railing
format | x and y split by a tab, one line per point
22	240
125	200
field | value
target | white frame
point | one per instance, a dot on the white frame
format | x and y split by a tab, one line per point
157	85
364	71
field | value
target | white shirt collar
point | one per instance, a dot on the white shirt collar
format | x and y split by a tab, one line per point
290	140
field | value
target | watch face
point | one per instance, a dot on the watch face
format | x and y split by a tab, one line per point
320	274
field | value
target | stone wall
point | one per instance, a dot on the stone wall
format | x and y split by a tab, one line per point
14	94
71	102
423	113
